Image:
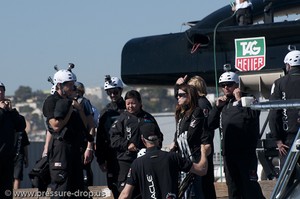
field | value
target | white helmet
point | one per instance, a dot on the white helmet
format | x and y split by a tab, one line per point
112	82
229	77
62	76
53	89
292	58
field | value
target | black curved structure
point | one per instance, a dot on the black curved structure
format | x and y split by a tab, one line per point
161	59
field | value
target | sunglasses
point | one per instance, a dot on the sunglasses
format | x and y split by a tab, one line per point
112	91
181	95
230	84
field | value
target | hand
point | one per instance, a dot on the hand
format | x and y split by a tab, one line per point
282	148
76	105
88	156
237	94
132	147
221	101
45	151
5	104
172	146
181	80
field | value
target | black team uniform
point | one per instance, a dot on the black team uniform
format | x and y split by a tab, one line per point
125	130
239	127
208	180
104	152
64	148
283	123
10	123
156	173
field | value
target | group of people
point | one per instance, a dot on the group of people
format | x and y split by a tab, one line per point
190	159
118	136
123	130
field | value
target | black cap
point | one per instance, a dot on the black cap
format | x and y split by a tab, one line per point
62	108
150	131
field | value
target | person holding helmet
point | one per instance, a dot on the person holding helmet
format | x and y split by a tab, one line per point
239	129
106	156
65	120
10	123
284	123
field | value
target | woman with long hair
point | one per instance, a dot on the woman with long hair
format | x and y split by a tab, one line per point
189	130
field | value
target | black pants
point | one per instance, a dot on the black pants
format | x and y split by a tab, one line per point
65	169
241	177
123	171
6	177
88	175
112	176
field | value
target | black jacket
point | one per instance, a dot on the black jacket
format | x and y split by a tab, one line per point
125	130
239	127
10	123
283	123
193	124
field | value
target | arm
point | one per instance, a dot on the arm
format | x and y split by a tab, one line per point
180	80
126	192
46	146
90	145
84	107
213	120
275	120
58	124
200	168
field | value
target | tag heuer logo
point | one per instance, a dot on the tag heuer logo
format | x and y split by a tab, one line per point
250	54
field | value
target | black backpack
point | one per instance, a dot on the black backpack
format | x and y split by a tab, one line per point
40	174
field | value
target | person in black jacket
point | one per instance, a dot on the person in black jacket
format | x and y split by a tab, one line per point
200	85
125	135
284	124
106	155
239	129
156	172
189	134
65	120
10	123
91	126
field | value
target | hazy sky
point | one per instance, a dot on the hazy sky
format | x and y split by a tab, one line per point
36	35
